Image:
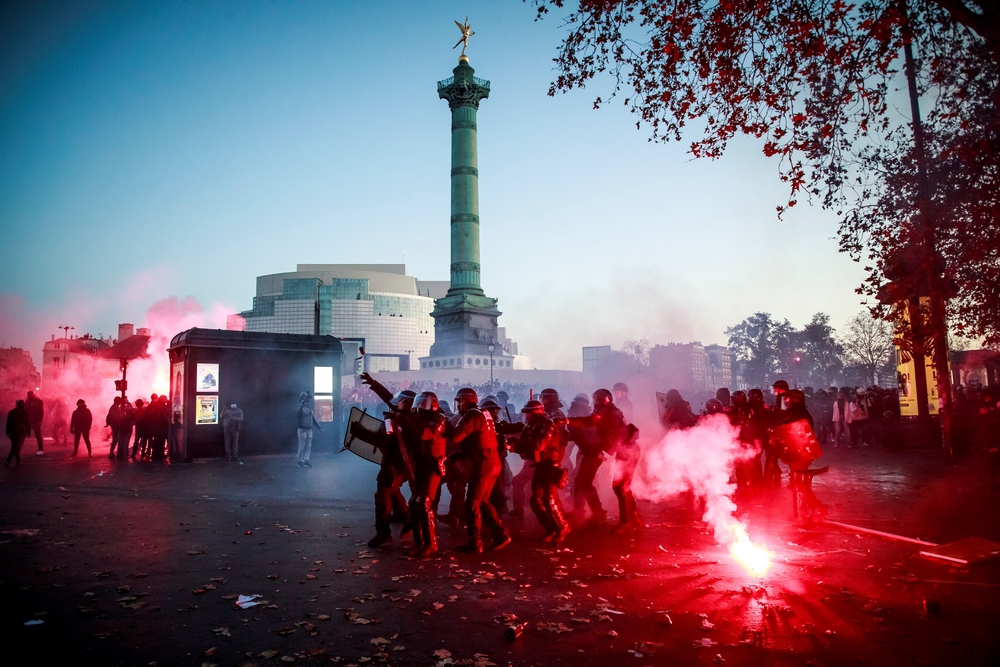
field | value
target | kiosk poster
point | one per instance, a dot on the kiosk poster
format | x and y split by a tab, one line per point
208	410
207	377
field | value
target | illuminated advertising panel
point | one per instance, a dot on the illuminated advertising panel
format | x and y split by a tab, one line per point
207	378
207	410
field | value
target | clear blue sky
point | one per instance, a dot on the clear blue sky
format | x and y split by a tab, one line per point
157	149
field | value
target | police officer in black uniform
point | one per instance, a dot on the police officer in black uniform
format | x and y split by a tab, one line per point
542	447
475	434
395	468
611	430
429	427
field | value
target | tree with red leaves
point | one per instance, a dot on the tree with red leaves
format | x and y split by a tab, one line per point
817	82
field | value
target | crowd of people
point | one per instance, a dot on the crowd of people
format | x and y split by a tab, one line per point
141	426
466	451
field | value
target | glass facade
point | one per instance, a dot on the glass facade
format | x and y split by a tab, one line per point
394	326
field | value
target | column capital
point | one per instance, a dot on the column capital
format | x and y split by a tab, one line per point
463	89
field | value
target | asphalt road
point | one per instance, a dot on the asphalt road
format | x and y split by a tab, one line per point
138	564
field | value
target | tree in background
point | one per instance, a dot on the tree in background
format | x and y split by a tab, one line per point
762	344
821	353
868	347
638	350
917	200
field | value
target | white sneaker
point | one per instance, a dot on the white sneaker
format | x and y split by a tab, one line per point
39	453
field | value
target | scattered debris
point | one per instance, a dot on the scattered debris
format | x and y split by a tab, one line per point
247	601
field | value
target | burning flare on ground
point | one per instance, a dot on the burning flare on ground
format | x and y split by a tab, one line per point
755	559
700	460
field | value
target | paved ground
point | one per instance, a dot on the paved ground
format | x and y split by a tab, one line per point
137	564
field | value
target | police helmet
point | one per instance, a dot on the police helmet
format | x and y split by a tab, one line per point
756	395
603	397
620	386
466	396
549	394
794	398
533	407
739	398
581	398
404	399
426	400
713	406
489	403
502	395
780	384
81	402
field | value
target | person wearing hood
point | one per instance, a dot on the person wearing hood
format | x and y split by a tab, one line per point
79	426
232	422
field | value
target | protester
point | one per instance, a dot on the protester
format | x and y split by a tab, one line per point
79	426
232	422
36	413
18	428
305	421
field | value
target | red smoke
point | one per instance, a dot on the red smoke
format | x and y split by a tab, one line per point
700	460
165	319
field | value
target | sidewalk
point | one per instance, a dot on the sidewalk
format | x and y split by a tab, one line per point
131	564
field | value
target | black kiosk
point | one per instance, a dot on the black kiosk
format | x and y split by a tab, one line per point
263	373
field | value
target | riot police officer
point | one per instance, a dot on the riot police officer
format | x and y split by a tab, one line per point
475	434
794	441
542	447
429	427
396	467
498	496
611	430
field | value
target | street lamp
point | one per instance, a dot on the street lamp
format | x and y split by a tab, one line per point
491	347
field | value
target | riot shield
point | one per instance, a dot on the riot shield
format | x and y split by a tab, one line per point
357	446
796	441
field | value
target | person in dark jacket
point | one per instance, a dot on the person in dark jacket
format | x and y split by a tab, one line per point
79	426
232	421
125	427
36	413
141	429
159	427
18	428
114	422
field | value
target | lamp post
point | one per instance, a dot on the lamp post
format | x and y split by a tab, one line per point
66	344
490	348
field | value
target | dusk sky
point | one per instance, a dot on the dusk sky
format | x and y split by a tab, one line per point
150	150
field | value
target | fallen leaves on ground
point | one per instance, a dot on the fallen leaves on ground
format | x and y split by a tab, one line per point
267	655
558	628
222	631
